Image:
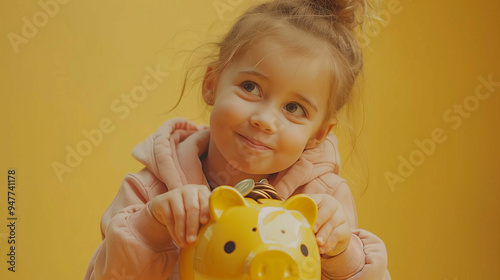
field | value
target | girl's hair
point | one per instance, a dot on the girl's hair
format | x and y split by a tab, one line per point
327	27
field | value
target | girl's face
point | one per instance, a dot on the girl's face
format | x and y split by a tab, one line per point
269	105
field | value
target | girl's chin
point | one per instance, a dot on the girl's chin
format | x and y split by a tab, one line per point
255	170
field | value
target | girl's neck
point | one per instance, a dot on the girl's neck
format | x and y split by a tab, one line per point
220	172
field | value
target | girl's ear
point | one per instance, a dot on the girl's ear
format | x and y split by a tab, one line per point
208	87
321	134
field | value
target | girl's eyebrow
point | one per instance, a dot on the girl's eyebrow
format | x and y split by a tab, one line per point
255	73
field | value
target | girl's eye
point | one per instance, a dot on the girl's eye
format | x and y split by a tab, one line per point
295	109
251	88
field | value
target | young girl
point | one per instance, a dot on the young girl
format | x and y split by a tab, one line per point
283	72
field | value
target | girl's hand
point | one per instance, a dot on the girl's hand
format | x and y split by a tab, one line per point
332	229
181	211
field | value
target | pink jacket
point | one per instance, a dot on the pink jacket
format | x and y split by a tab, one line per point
136	246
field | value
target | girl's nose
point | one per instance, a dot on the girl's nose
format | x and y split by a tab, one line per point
266	119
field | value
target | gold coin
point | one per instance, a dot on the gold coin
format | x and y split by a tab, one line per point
245	186
259	194
264	181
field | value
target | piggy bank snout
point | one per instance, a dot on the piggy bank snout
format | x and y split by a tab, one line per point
273	265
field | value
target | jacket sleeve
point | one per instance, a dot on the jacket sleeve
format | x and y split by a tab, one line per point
135	245
365	258
366	255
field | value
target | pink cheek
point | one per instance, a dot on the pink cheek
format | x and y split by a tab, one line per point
293	140
233	110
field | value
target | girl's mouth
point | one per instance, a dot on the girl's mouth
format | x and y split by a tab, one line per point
253	143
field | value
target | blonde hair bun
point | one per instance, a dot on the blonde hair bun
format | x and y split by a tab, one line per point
348	12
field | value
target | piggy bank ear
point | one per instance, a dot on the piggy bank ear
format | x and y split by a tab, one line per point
223	198
305	205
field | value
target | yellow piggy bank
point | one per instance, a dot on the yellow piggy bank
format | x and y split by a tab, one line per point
248	239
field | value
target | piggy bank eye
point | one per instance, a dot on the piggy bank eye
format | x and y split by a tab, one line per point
229	247
304	250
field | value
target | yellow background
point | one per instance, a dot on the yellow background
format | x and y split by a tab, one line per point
439	222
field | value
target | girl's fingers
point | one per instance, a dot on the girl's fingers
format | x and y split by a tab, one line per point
192	209
179	215
331	228
327	207
181	211
163	210
203	201
323	237
338	241
170	221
